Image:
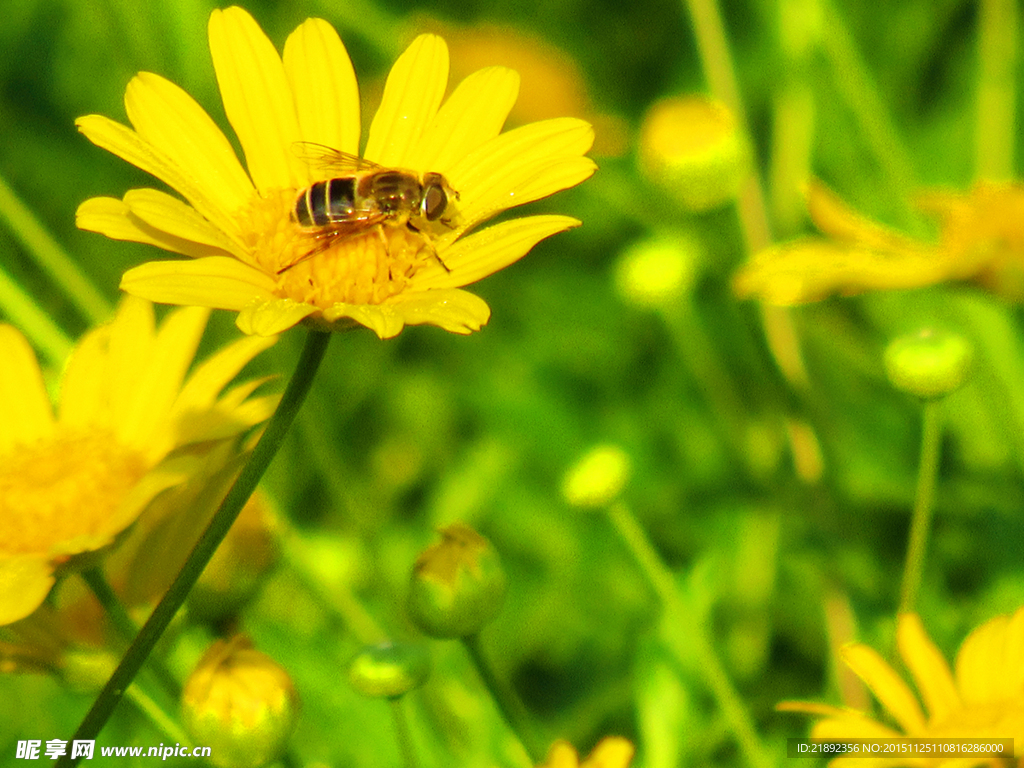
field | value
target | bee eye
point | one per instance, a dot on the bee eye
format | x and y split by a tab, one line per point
435	200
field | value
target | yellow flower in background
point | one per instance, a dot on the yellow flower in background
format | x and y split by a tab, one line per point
984	698
981	240
70	482
250	255
610	752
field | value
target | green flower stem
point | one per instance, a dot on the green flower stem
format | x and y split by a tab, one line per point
716	62
402	733
506	699
51	257
125	626
45	335
241	490
663	582
996	130
157	716
924	504
709	371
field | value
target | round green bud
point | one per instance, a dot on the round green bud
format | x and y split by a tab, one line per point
240	703
458	585
657	271
598	478
928	364
691	146
389	670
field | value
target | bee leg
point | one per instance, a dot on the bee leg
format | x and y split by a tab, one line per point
427	244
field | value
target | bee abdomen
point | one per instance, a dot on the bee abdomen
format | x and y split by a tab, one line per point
325	202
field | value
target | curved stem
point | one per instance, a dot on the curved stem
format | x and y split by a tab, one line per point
995	127
715	676
49	255
21	310
263	453
924	504
507	700
403	734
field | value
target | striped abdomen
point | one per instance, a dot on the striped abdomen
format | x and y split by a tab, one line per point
326	202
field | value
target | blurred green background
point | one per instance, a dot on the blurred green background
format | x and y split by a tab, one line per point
401	436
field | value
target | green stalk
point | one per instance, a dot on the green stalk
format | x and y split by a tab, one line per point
507	700
241	490
403	734
41	331
924	504
996	124
660	576
49	255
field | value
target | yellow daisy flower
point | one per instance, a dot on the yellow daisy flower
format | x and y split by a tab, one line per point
71	482
250	254
610	752
983	699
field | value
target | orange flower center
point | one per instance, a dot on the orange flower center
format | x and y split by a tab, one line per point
321	267
57	495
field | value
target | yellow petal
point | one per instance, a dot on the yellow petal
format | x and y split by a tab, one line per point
210	377
887	686
131	350
170	120
811	269
168	214
270	315
324	84
219	282
25	411
24	583
980	662
257	98
157	385
113	218
472	115
610	752
487	177
483	253
412	95
561	755
834	217
927	665
85	384
128	145
453	310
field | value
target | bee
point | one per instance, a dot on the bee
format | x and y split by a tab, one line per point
363	196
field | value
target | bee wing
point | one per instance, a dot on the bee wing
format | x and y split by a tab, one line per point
324	158
357	223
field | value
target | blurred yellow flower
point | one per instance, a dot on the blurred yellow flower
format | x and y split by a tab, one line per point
981	240
984	699
610	752
247	249
71	482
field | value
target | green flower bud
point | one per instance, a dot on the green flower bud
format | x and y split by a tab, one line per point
655	272
458	585
389	670
928	364
598	478
240	703
691	146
